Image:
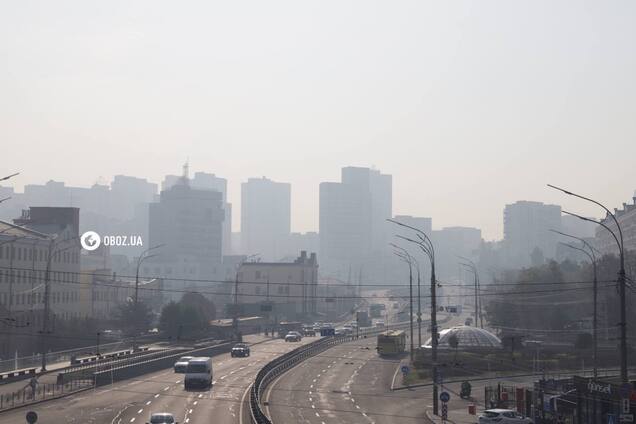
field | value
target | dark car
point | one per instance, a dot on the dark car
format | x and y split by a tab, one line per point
240	350
309	331
162	418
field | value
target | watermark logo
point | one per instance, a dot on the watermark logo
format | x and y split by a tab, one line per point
90	240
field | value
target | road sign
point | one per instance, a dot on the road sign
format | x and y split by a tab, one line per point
624	406
405	369
31	417
444	397
627	418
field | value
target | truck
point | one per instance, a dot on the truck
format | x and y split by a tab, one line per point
391	343
362	318
198	373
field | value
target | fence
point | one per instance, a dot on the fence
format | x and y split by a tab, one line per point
42	392
35	360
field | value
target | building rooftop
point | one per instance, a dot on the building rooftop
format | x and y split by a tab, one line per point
468	337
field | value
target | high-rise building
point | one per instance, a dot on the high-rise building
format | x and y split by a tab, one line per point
527	235
265	217
353	228
188	223
206	181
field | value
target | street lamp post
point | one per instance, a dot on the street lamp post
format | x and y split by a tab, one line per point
592	257
141	258
425	244
52	252
621	277
404	255
470	265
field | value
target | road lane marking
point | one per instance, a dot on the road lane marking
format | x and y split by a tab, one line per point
149	402
157	395
140	411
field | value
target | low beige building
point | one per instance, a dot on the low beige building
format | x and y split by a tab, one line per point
292	284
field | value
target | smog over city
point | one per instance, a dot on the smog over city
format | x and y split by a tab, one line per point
318	212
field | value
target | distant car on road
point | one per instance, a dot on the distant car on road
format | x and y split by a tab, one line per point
469	321
240	350
309	331
162	418
293	336
379	324
503	416
182	364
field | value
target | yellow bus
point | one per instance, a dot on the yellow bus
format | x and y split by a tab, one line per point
391	343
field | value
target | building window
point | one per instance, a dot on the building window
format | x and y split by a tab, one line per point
257	290
257	275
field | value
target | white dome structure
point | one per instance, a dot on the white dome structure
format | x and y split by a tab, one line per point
468	338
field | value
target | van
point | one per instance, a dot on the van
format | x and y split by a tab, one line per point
198	373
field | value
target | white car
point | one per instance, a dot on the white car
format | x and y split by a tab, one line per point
293	336
182	364
162	418
503	416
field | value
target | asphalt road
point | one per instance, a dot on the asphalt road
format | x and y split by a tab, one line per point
132	401
347	384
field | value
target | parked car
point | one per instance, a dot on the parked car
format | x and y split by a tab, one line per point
240	350
162	418
182	364
293	336
503	416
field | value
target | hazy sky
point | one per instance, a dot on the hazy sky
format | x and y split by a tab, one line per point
469	104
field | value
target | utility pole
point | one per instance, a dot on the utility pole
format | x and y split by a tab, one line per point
434	339
419	310
47	305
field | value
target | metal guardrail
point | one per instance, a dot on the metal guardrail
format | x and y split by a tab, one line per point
27	395
283	363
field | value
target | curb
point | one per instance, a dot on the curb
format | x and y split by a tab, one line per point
431	420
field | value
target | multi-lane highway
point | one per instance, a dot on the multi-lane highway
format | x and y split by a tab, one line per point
132	401
346	384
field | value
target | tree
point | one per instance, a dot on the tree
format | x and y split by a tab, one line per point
133	320
201	304
182	320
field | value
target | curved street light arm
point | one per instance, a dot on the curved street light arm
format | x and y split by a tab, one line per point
620	249
420	232
620	232
424	247
585	243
